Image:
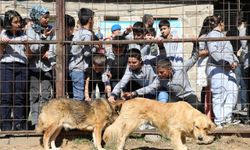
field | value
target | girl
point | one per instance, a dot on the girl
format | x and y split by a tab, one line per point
220	71
14	73
40	65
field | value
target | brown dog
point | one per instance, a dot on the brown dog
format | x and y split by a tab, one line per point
71	114
175	120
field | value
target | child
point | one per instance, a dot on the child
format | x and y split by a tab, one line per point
220	70
176	81
14	74
69	29
140	73
171	50
148	20
150	34
138	34
118	64
40	68
81	54
95	78
116	31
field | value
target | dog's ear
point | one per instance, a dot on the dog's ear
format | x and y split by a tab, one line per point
117	105
212	126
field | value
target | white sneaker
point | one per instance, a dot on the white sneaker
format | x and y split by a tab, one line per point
232	123
219	127
143	127
146	126
235	122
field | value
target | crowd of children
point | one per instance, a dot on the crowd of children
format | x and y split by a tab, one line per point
152	70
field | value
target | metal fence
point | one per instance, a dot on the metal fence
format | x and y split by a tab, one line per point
185	16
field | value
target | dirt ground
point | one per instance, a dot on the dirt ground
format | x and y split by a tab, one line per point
232	142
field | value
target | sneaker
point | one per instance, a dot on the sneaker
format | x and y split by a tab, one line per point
235	121
232	123
146	126
152	138
245	109
150	127
143	127
219	127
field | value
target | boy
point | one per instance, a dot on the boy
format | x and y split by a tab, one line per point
69	29
150	34
171	50
138	34
81	54
95	77
176	81
116	31
140	73
117	65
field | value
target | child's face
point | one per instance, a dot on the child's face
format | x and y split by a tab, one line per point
44	20
222	25
116	33
134	63
164	73
16	24
69	31
165	31
150	22
118	50
98	68
138	36
91	23
148	36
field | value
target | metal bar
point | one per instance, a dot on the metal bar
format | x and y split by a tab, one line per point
133	41
60	52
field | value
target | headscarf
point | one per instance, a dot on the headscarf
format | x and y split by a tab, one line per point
35	14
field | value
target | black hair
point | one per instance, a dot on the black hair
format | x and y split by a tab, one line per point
164	63
25	21
139	27
150	31
134	52
119	45
214	21
164	22
84	15
69	21
206	26
8	17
